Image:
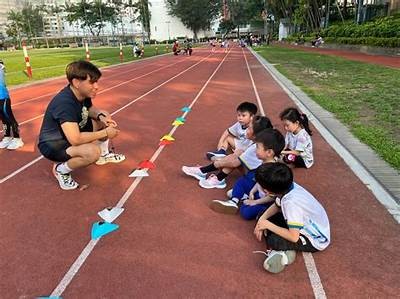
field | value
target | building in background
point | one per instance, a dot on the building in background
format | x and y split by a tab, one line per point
162	25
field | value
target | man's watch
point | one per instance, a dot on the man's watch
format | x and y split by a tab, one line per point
100	114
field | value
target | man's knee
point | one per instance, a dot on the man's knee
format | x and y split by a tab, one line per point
91	153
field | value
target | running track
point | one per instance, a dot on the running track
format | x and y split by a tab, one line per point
170	244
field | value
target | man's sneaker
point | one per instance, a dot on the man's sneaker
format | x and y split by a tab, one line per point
194	172
277	260
216	154
15	143
110	158
65	181
224	207
212	182
5	142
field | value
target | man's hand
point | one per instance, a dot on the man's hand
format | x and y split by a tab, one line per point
111	132
107	120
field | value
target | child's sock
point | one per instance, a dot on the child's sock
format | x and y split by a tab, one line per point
63	168
104	147
221	175
208	168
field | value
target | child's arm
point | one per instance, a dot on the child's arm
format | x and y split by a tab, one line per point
293	152
224	135
253	202
271	211
252	192
291	234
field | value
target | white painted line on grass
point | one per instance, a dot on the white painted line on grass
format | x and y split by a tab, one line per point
312	271
88	249
115	112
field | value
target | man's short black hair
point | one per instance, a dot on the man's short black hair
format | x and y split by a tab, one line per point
81	70
1	61
271	139
275	177
247	107
261	123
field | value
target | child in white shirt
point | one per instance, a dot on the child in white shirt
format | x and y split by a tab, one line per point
296	222
299	149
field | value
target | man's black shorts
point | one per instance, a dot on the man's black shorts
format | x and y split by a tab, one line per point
55	150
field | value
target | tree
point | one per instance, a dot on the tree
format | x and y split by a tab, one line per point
196	15
27	22
91	15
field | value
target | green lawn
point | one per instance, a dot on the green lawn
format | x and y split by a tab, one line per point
48	63
363	96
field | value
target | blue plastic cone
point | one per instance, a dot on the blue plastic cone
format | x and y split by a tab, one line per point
100	229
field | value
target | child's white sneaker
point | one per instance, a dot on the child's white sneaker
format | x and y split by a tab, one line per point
277	260
110	158
194	172
212	182
15	143
5	142
229	193
224	206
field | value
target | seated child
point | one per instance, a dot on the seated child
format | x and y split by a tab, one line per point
227	164
235	136
296	222
137	52
175	48
298	144
270	143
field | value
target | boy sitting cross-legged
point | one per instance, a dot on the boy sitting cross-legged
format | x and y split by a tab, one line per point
234	137
296	222
227	164
270	143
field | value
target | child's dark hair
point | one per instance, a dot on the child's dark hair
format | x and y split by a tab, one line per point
271	139
292	114
274	177
247	107
81	70
261	123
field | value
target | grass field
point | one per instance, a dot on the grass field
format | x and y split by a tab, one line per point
363	96
48	63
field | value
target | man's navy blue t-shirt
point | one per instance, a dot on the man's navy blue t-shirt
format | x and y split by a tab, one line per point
64	107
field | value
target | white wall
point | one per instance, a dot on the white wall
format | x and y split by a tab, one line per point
164	26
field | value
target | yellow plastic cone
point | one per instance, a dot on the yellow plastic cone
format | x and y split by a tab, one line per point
177	123
167	137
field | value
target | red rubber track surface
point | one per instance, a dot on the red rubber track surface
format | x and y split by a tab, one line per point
391	61
170	244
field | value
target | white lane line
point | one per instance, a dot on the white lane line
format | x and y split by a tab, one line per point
313	275
66	280
116	111
20	169
312	271
254	86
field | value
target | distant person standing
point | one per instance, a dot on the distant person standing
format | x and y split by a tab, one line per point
10	124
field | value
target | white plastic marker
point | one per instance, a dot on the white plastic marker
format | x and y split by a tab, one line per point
312	271
92	243
11	175
139	173
110	214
